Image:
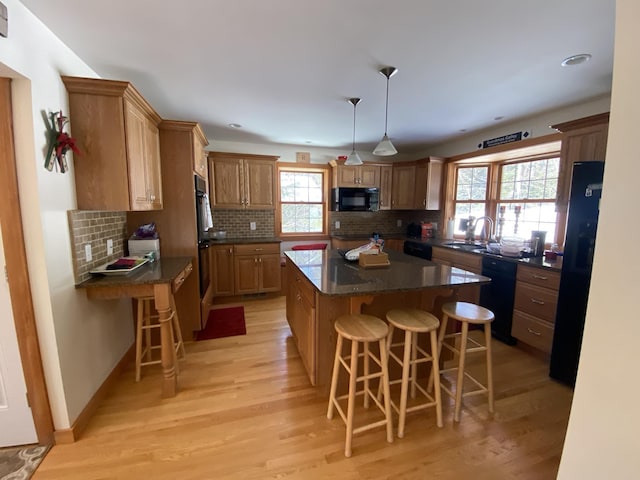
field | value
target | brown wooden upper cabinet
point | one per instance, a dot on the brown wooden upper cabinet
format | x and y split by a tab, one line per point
428	183
364	176
403	185
242	181
583	140
117	133
385	187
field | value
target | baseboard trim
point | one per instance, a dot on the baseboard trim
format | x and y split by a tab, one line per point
70	435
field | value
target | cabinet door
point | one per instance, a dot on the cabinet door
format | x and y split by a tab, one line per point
385	187
153	166
368	176
428	183
136	126
345	176
247	274
222	270
305	336
199	158
402	193
581	145
227	183
270	280
260	186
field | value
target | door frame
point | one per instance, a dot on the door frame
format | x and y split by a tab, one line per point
18	274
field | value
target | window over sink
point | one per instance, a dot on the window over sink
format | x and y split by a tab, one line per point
520	189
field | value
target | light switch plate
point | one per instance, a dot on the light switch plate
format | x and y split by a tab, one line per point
337	224
399	223
252	225
110	247
87	252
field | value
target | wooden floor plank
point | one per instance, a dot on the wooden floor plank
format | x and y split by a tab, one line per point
245	409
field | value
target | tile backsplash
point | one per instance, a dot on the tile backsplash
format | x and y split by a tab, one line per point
237	223
95	228
383	221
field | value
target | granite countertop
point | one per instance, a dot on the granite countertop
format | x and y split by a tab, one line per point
239	241
539	262
331	274
163	270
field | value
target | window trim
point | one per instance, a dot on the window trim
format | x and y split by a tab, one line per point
325	170
540	148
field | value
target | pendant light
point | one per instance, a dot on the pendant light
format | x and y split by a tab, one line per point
385	147
354	158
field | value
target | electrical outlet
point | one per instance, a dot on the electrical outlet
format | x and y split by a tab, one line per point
109	247
399	223
337	224
252	225
87	252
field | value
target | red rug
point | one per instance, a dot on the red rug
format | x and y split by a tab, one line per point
223	322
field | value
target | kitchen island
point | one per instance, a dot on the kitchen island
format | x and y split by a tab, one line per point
322	285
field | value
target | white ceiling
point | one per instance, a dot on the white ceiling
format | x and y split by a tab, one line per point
284	69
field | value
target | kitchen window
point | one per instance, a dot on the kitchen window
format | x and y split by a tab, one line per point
521	190
303	201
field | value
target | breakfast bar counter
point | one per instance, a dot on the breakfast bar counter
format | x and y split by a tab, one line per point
160	279
322	285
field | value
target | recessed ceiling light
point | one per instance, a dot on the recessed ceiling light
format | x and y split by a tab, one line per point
235	125
576	59
308	141
462	130
498	118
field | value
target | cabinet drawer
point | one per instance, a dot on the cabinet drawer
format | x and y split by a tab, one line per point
467	261
537	301
532	331
182	276
256	248
539	276
306	289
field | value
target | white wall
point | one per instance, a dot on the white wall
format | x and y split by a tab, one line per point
81	341
602	437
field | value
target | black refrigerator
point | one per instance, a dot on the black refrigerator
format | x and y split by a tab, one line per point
582	222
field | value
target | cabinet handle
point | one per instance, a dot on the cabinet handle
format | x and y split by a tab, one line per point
540	277
259	260
255	260
230	251
533	332
535	300
258	249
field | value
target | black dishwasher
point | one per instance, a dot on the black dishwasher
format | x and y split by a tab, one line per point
498	296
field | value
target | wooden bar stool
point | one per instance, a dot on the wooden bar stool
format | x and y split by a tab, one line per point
413	322
146	321
466	313
360	329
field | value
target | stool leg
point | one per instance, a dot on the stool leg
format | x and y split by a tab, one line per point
139	320
441	333
388	346
435	371
414	365
366	375
353	374
334	378
147	322
385	385
463	352
406	365
487	337
176	329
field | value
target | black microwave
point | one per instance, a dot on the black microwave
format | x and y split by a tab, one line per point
350	199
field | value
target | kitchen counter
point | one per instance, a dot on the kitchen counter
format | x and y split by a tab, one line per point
323	285
331	274
160	279
539	262
242	241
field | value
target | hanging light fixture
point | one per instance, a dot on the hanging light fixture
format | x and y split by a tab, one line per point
354	158
385	147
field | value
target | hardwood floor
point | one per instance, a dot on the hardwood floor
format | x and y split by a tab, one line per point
245	410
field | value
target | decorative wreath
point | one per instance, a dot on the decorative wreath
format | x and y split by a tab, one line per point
59	143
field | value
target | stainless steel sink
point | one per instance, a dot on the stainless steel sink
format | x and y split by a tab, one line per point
467	247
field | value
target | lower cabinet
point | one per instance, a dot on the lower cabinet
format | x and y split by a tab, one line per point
245	269
257	268
469	262
535	305
301	315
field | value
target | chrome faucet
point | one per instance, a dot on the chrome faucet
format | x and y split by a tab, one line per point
471	228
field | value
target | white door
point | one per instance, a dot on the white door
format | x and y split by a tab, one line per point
16	420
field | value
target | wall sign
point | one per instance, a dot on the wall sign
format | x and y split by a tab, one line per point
512	137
